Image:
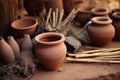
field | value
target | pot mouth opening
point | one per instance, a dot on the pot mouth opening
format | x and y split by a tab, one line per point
25	23
49	38
99	11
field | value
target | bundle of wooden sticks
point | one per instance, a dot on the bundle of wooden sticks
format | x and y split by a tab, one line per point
110	55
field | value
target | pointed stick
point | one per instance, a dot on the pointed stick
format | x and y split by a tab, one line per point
48	17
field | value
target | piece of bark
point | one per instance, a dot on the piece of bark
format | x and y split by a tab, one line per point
72	43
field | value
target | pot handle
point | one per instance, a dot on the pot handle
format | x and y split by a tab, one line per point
78	1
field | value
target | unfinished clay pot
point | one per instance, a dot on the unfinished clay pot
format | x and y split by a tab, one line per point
26	25
50	49
53	4
26	43
99	12
15	47
101	31
6	52
69	5
116	23
84	15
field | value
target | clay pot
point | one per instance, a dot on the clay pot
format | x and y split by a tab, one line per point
50	49
84	15
116	24
26	43
53	4
15	47
101	31
6	52
99	12
69	5
25	25
34	7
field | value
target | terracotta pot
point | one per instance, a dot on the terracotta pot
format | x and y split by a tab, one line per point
50	49
71	4
15	47
6	52
101	31
84	15
34	7
25	25
53	4
99	12
116	24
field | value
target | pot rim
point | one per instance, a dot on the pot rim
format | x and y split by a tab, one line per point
99	11
24	28
49	34
116	15
101	20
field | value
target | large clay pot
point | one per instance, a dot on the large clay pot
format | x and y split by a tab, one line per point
72	4
34	7
15	47
53	4
116	23
99	12
101	31
26	25
6	52
50	49
84	15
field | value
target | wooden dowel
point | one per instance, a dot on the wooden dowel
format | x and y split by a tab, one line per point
53	19
48	17
56	20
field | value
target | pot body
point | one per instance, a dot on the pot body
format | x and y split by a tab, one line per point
50	50
116	24
53	4
33	7
101	31
6	52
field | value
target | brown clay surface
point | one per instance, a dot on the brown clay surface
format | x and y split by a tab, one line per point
80	71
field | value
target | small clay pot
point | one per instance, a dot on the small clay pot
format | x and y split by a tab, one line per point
101	31
116	24
50	49
25	25
84	15
6	52
53	4
69	5
95	12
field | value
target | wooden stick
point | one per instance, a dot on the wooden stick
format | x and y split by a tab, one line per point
48	17
90	60
54	19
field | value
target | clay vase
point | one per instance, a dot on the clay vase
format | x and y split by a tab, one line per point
15	47
53	4
84	15
26	25
34	7
95	12
116	24
6	52
69	5
26	43
101	31
50	49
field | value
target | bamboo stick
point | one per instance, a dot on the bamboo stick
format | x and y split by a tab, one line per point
90	60
53	19
56	20
48	17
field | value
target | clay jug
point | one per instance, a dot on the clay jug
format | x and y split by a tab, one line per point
15	47
50	49
53	4
34	7
99	12
101	31
116	23
6	52
26	43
